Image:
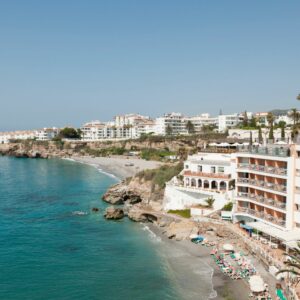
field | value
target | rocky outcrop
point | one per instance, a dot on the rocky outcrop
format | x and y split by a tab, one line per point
114	213
121	193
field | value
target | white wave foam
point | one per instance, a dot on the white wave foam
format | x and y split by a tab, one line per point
151	234
95	166
79	213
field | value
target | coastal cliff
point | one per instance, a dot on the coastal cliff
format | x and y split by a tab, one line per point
45	149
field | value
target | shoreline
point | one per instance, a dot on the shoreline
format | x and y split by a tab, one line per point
117	166
223	287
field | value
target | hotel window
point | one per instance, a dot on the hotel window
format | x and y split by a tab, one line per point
186	166
199	168
213	169
221	169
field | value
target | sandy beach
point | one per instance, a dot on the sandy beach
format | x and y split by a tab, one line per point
196	271
121	167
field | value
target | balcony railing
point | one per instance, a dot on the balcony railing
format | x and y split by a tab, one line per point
270	151
260	183
264	169
262	215
207	175
262	200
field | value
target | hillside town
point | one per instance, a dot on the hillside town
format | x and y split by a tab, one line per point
134	126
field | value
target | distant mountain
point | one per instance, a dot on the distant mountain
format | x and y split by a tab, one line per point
279	112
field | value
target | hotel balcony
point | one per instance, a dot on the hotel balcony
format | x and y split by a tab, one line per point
262	200
263	169
263	184
268	151
261	215
207	175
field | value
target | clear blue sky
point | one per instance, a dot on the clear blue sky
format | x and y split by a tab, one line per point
66	62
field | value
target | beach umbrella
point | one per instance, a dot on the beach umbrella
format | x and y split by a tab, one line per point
257	284
228	247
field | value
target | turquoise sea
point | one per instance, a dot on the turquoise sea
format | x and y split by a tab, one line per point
49	251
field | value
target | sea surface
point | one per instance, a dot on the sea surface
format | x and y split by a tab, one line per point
52	246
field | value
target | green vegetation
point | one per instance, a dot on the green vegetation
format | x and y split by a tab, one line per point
68	133
105	151
293	264
190	127
185	213
155	154
228	206
210	202
161	175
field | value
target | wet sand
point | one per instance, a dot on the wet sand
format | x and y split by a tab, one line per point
196	272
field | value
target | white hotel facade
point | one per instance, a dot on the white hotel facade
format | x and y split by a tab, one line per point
262	182
268	189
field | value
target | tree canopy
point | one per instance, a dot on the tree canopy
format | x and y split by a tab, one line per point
70	133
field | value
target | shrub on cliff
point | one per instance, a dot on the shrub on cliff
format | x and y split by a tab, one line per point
161	175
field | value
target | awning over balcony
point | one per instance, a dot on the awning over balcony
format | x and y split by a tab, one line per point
285	236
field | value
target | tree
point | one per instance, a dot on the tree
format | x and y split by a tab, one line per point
210	202
270	118
169	130
293	264
294	114
70	133
245	119
253	122
190	127
260	137
282	133
250	139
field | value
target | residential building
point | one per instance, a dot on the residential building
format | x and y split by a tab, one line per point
268	190
203	120
228	121
44	134
175	121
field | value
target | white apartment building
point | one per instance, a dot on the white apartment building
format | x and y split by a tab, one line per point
44	134
96	131
268	191
228	121
175	121
203	120
129	119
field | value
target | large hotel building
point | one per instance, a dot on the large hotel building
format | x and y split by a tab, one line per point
268	190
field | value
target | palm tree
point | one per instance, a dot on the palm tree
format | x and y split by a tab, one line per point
210	202
190	127
270	119
260	137
245	119
169	130
250	139
294	114
293	264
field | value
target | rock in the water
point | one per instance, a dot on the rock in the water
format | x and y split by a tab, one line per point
95	209
120	194
114	213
